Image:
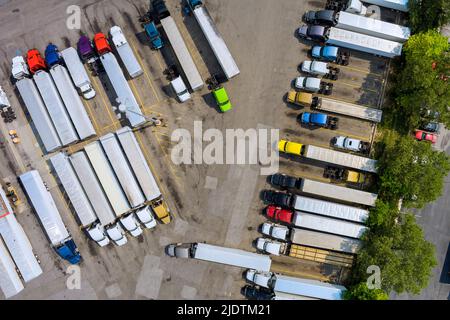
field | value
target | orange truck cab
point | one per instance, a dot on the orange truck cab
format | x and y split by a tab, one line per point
101	43
35	61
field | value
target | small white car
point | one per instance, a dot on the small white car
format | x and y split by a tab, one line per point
117	235
275	230
145	216
180	89
97	233
131	225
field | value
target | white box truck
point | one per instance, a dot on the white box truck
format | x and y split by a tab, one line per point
297	286
223	255
126	54
400	5
72	101
372	27
80	203
214	38
10	282
125	98
55	108
325	241
328	225
17	242
363	42
78	73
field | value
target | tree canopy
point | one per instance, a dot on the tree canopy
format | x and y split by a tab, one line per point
428	14
362	292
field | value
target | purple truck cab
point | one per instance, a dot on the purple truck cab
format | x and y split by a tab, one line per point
85	48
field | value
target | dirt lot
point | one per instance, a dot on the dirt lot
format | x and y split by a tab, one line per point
218	204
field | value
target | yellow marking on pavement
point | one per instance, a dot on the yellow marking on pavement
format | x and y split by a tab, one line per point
105	105
144	69
88	107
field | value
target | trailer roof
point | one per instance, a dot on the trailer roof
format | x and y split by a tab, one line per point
309	288
233	257
10	282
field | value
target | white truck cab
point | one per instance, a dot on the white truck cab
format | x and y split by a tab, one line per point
117	235
131	225
269	246
97	233
350	144
317	68
259	278
356	7
145	216
19	68
180	89
275	230
4	102
308	84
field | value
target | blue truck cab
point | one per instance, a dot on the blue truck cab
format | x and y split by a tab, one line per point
154	35
69	251
318	120
52	55
193	4
330	53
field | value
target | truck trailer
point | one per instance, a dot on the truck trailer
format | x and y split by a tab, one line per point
372	27
228	256
363	42
72	101
125	98
122	170
214	39
78	198
325	241
126	54
49	216
328	190
39	115
297	286
400	5
55	108
17	242
107	178
10	282
181	52
78	73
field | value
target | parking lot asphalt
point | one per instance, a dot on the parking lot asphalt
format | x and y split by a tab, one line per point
218	204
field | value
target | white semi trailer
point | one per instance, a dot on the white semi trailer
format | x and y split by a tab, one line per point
72	101
325	241
214	38
372	27
10	282
55	107
126	54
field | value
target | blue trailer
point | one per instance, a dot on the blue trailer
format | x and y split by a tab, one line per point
318	120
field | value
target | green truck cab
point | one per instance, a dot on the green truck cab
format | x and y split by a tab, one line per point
222	100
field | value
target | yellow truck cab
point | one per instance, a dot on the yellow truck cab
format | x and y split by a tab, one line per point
290	147
162	211
303	99
355	177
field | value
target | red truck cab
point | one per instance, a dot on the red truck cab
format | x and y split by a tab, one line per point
101	44
35	61
278	214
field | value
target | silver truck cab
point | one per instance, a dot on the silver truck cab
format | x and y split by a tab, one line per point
116	234
179	250
275	231
131	225
97	233
268	246
145	216
180	89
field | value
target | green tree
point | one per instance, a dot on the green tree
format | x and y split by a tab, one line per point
411	170
362	292
428	14
404	257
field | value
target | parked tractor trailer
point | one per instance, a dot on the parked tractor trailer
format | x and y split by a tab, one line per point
10	282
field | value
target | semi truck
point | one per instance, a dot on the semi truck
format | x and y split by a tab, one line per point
214	38
126	101
122	170
297	286
320	68
400	5
372	27
143	174
312	84
78	73
17	242
78	198
342	175
330	54
352	6
223	255
151	30
35	105
49	216
125	52
316	206
72	101
343	159
351	144
318	120
97	197
178	45
305	99
10	282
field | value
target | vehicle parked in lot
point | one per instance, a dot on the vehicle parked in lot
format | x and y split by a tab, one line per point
312	84
323	17
316	120
180	89
284	181
219	94
35	61
152	32
297	98
425	136
430	126
253	293
312	32
277	198
331	54
275	231
146	217
336	174
352	6
351	144
321	69
278	214
269	246
130	223
117	235
290	147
